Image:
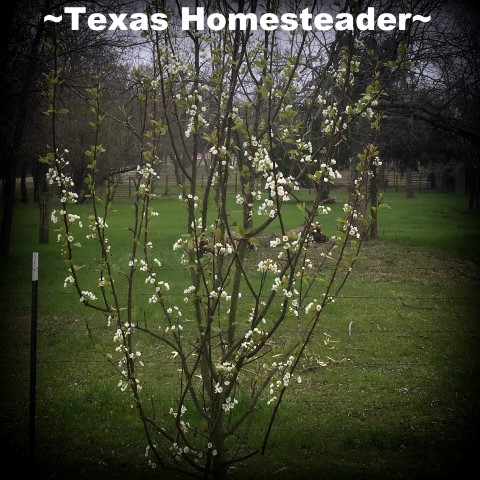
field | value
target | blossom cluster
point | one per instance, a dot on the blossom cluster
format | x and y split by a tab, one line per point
284	370
196	112
56	176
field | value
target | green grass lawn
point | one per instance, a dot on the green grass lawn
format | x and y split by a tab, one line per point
440	221
394	393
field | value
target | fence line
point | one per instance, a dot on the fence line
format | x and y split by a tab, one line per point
62	360
167	185
339	297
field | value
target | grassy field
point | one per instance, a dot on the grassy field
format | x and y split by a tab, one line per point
395	397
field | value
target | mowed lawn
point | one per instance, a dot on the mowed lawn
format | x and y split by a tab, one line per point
389	387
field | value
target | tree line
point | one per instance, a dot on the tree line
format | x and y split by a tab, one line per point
430	107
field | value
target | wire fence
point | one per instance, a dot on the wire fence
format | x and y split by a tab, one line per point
466	305
168	185
417	341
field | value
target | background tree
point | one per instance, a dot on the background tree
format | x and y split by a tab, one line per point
439	88
20	71
28	56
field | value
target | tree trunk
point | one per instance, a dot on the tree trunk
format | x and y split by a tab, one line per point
408	175
472	176
178	172
44	218
362	204
373	204
19	114
23	184
219	467
36	180
8	202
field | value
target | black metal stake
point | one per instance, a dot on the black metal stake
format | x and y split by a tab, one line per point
33	360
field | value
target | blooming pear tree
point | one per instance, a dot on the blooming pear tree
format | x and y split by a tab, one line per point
228	100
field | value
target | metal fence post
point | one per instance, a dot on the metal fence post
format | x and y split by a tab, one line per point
33	360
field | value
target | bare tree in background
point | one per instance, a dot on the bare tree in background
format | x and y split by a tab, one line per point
27	56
